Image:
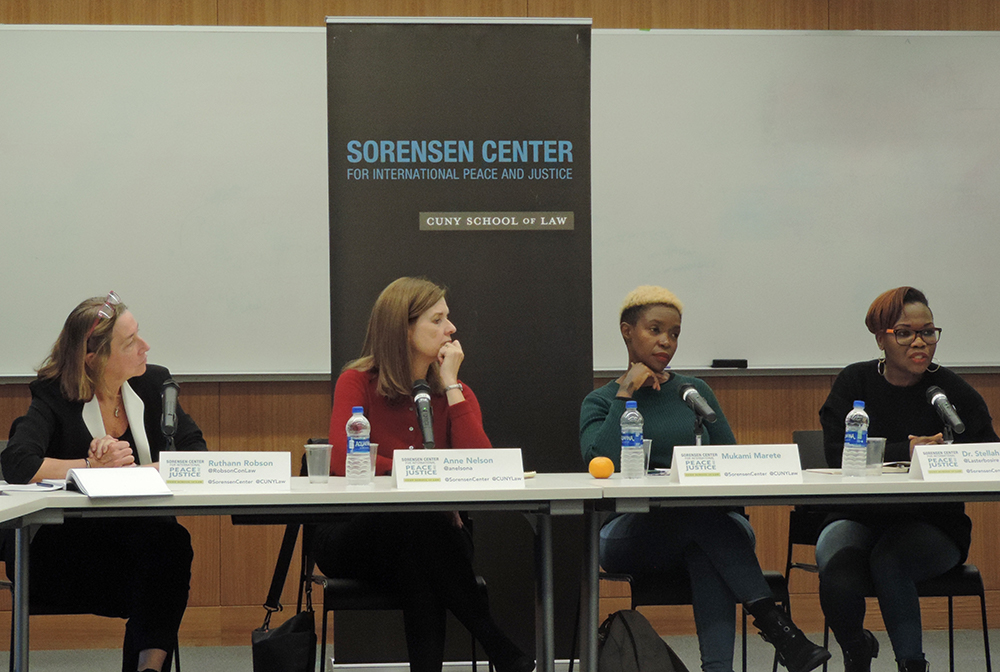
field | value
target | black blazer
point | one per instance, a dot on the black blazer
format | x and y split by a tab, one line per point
54	426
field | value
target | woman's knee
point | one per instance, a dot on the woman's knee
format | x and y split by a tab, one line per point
915	550
843	553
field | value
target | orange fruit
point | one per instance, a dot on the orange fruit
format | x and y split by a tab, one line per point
601	467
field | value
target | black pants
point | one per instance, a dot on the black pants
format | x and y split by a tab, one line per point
428	561
133	568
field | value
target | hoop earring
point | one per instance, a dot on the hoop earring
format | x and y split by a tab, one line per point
880	366
934	366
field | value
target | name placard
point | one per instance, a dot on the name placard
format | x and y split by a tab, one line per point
245	471
728	465
458	469
963	462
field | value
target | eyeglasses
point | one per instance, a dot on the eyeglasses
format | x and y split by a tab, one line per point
107	311
930	336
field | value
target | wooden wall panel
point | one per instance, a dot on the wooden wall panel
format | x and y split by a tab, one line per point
269	417
767	409
273	416
645	14
914	15
233	564
137	12
314	12
14	402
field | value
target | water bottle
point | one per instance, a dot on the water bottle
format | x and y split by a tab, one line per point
855	459
359	465
633	458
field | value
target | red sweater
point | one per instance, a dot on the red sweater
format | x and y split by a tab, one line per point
394	423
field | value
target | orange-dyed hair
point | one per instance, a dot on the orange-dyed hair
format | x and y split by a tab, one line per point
888	306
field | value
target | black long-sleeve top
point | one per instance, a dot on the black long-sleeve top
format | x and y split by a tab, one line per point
895	413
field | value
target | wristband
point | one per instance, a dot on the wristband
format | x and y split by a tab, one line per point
456	386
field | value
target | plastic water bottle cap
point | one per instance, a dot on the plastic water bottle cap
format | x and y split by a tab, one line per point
361	409
859	404
631	404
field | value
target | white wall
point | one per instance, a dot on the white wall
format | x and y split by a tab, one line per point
776	181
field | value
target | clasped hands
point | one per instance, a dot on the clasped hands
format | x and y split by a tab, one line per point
108	451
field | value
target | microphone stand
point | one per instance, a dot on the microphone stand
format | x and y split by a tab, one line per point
947	434
699	424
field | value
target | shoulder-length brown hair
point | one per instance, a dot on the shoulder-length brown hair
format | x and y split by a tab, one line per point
386	352
888	306
68	360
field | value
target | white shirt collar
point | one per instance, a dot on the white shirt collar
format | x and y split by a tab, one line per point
134	411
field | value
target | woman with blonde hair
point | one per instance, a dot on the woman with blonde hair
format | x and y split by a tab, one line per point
713	546
96	404
424	557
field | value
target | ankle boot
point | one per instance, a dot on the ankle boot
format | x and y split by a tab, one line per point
914	666
795	652
858	655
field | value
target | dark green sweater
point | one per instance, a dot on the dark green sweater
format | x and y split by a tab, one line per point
667	420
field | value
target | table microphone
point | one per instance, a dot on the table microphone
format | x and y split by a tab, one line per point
168	424
425	417
939	400
692	398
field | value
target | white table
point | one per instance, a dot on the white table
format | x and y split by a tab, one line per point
817	488
542	497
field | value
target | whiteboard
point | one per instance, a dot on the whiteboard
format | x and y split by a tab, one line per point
778	182
184	168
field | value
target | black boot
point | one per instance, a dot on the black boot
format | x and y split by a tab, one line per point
795	652
858	655
914	666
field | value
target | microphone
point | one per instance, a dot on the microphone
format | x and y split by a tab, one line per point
425	418
937	398
690	396
168	424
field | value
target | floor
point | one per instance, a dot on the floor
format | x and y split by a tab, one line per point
968	656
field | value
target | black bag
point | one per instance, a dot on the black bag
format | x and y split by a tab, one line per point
626	642
291	647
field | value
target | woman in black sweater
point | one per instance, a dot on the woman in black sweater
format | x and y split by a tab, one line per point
892	548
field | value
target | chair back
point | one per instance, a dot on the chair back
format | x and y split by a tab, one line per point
812	454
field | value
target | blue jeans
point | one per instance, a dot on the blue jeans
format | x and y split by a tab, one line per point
856	560
714	547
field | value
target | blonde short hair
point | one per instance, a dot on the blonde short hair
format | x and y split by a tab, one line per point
648	295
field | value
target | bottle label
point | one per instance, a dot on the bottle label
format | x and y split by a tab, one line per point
358	446
856	437
631	439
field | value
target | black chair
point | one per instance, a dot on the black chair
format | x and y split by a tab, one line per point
340	594
805	523
674	589
7	537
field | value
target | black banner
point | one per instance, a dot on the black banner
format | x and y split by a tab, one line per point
460	151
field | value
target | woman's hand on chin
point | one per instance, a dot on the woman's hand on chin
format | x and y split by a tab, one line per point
450	358
640	375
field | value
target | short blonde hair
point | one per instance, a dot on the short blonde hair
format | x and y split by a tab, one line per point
648	295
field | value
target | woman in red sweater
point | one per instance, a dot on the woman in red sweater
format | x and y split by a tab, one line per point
425	557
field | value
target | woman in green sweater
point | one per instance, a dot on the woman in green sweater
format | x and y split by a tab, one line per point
713	546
